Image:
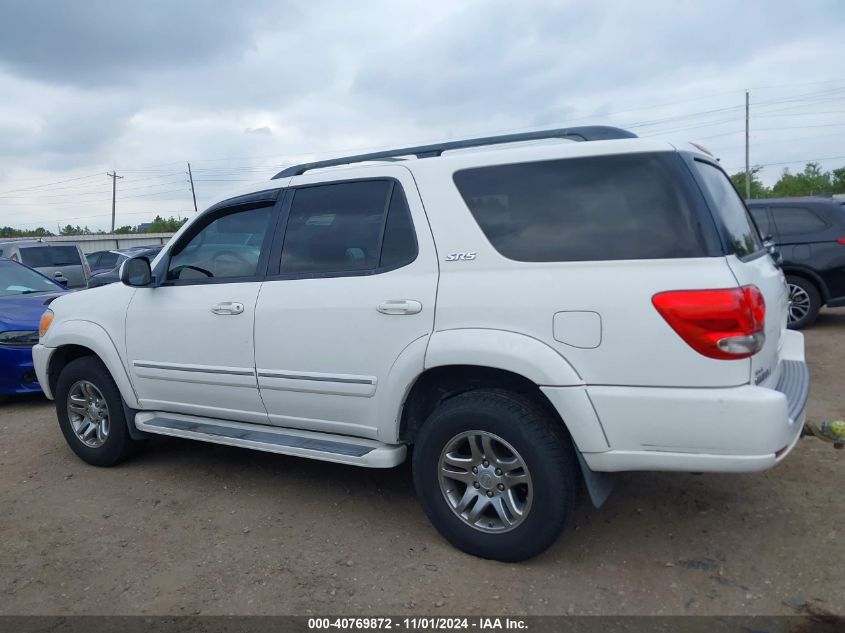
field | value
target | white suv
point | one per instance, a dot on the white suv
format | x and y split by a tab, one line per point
522	313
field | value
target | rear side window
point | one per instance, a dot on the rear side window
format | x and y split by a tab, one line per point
584	209
797	221
348	227
47	256
730	208
108	260
761	219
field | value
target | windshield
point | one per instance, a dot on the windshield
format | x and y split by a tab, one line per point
18	280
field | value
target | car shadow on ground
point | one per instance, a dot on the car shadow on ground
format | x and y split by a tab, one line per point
829	318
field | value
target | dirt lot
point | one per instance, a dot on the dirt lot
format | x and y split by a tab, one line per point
190	528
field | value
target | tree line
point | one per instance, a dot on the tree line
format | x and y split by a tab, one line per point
812	181
158	225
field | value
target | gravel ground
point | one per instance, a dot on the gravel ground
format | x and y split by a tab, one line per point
191	528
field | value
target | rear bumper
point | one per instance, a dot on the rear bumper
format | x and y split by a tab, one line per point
737	429
16	371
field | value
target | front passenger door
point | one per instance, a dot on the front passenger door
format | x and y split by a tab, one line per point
189	340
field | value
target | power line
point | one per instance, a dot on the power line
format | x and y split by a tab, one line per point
792	162
52	183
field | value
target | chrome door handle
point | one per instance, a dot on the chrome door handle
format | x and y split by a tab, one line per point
228	307
400	306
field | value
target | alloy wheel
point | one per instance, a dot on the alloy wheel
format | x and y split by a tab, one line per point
799	303
88	413
485	481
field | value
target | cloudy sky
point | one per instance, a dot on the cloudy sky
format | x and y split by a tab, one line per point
241	89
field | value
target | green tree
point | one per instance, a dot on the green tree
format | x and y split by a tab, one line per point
8	231
162	225
758	189
810	182
126	229
838	180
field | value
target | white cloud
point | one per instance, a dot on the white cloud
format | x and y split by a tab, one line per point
240	89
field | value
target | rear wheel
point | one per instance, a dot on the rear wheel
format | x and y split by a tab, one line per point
804	302
90	412
496	474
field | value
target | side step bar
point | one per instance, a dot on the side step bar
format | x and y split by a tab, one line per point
324	446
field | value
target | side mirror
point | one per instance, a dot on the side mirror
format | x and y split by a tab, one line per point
136	272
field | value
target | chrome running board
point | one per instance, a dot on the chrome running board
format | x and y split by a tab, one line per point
261	437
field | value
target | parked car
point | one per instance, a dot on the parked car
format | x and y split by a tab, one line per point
102	260
62	262
526	316
24	296
810	233
103	277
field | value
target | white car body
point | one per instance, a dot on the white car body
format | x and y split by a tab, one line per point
325	359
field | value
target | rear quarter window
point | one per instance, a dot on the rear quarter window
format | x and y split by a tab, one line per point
727	204
631	206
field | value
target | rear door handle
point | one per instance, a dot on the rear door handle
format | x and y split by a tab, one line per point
228	307
400	306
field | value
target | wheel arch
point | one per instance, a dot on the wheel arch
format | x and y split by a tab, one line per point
438	384
75	339
811	276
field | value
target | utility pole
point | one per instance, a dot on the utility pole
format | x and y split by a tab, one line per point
747	163
113	175
193	193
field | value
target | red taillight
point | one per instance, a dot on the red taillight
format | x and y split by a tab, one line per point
726	324
841	240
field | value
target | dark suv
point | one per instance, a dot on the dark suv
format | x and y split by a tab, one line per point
810	233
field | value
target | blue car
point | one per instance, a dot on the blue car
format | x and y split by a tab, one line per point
24	295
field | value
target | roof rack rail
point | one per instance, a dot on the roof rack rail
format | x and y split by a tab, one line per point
584	133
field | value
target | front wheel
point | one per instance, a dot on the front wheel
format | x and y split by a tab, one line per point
90	412
496	475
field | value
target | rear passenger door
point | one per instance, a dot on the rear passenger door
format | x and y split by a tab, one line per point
351	285
800	232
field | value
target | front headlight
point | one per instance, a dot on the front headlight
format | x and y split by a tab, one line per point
19	338
46	320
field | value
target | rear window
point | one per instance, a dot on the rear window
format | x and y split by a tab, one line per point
45	256
584	209
730	208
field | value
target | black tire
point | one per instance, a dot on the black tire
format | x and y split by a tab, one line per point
812	297
117	445
542	444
